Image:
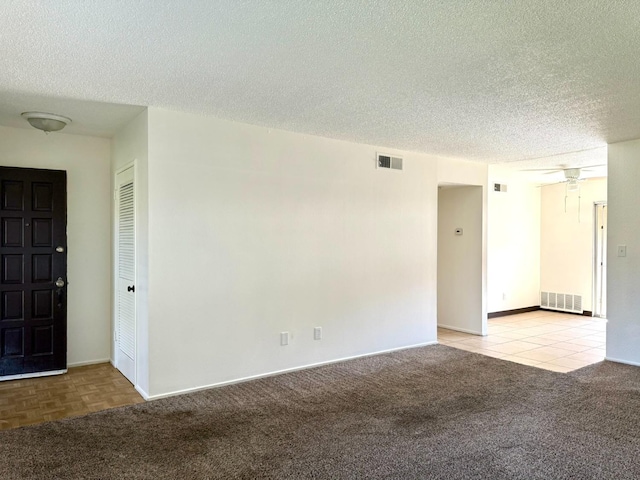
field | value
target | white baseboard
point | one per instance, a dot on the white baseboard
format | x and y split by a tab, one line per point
32	375
625	362
146	396
88	362
142	393
463	330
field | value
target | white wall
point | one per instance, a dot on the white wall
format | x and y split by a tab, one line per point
513	256
460	266
86	161
130	144
463	172
255	231
623	274
566	242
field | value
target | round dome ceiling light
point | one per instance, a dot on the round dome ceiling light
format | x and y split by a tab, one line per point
47	122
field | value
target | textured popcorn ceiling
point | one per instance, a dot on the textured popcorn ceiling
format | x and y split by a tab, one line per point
491	81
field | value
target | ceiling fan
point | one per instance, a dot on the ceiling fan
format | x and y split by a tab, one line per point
572	179
572	176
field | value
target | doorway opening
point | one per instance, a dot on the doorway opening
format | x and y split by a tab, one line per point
460	273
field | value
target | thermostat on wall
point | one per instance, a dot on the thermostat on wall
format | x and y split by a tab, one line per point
458	231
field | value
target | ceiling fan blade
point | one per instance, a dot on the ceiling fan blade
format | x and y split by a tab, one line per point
593	166
547	184
548	170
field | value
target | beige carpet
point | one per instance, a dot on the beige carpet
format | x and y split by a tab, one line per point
432	412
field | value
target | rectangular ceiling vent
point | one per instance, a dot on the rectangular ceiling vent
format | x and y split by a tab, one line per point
499	187
564	302
389	161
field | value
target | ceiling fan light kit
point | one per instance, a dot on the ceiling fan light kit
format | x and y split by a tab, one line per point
572	173
573	185
47	122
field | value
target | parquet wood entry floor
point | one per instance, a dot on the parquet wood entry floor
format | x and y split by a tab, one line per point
80	391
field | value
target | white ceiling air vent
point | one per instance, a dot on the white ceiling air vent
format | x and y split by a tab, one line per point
389	161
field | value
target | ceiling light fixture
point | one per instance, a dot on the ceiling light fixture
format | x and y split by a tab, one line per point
573	185
47	122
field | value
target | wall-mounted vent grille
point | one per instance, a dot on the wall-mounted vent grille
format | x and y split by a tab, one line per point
389	161
499	187
564	302
577	303
568	304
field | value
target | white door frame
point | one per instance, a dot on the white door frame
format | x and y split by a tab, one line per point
597	309
117	361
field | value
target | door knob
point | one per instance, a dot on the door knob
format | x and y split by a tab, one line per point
131	288
59	282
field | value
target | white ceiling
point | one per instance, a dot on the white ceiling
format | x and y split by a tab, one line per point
87	118
484	80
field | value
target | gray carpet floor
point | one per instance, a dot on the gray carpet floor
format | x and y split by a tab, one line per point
425	413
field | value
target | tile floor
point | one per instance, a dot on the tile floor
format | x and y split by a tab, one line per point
550	340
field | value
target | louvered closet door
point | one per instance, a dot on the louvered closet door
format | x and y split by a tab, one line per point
125	265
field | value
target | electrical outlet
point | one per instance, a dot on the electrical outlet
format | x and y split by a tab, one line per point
284	338
317	333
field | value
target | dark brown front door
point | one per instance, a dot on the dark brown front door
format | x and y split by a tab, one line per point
33	312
